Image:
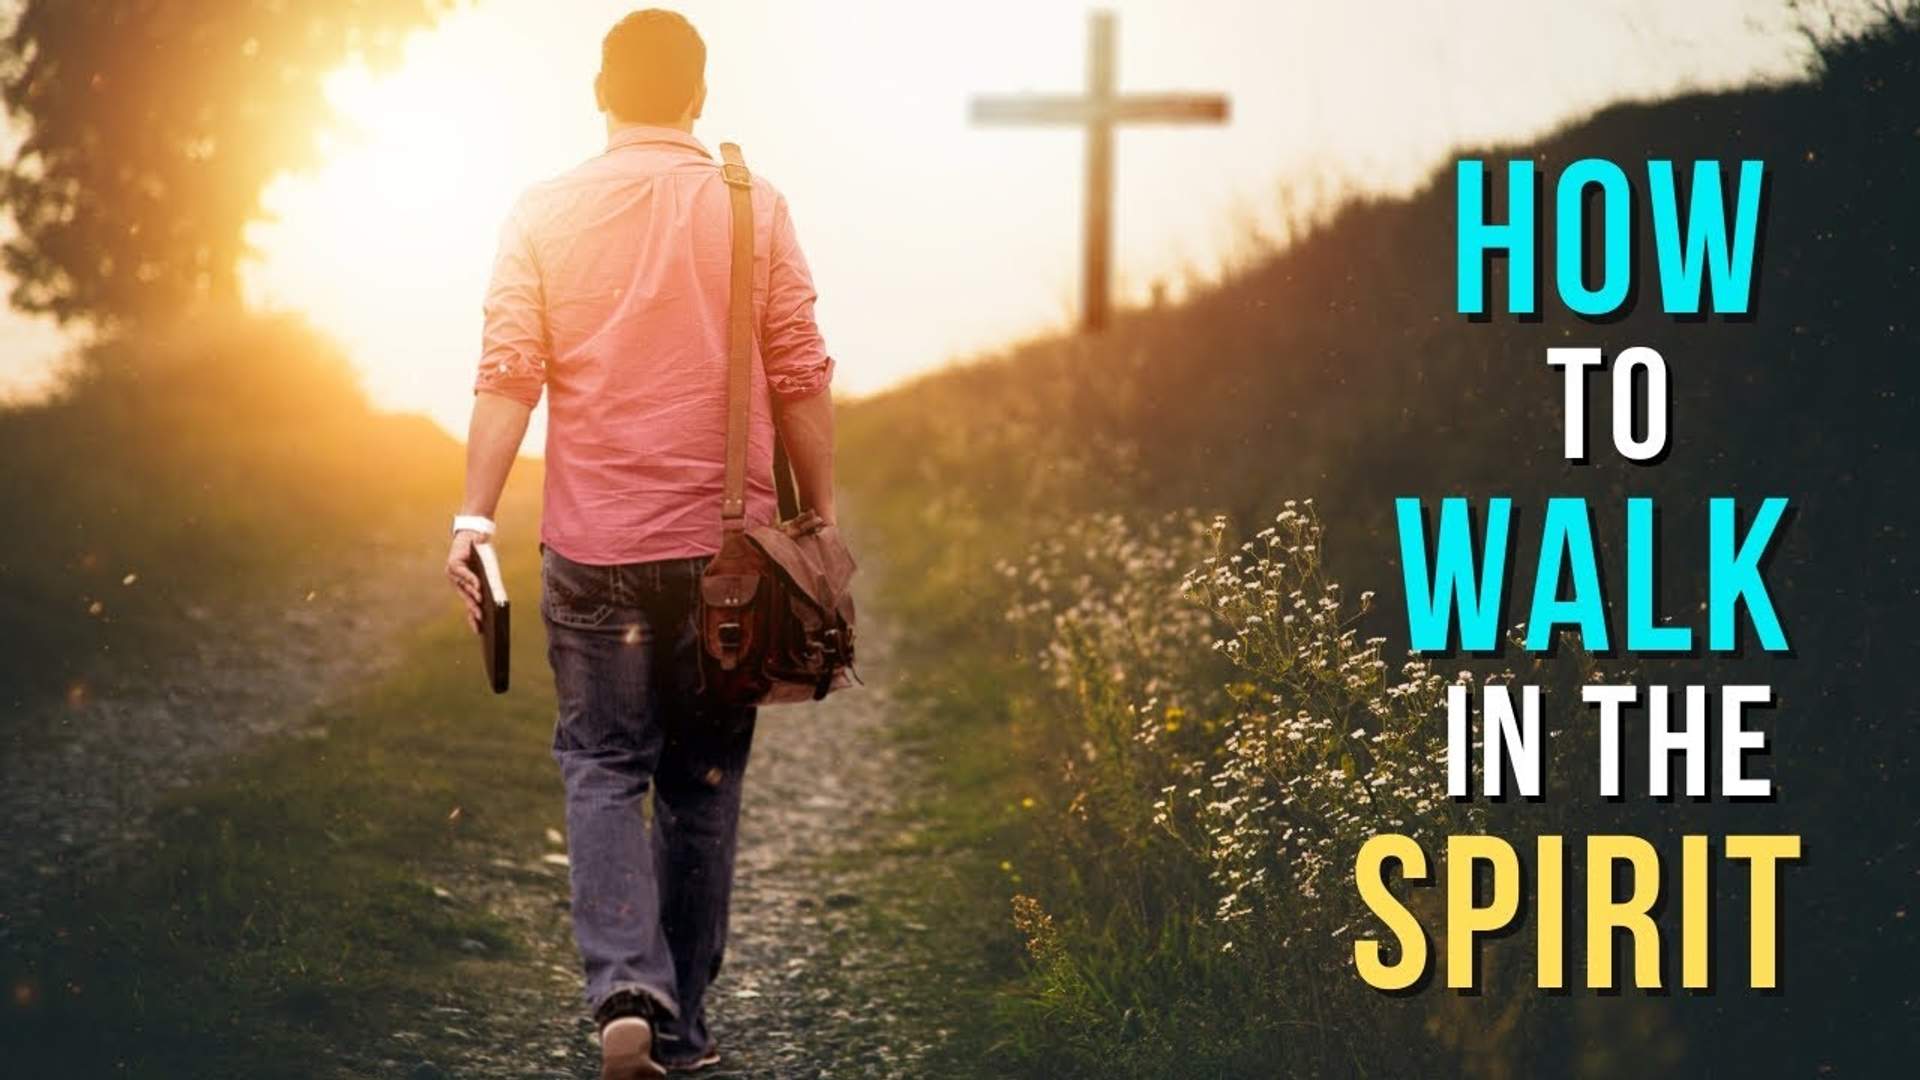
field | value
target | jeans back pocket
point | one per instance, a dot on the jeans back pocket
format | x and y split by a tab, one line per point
574	594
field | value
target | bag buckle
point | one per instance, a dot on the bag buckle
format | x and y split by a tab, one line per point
731	638
832	647
736	175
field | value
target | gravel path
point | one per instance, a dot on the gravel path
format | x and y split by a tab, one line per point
79	778
822	978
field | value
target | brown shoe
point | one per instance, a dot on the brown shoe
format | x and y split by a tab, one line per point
626	1050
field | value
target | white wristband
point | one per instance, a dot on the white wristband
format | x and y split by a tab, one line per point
473	523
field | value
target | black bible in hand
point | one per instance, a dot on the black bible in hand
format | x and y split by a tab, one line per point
485	564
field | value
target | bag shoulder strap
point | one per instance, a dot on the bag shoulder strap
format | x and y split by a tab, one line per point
733	168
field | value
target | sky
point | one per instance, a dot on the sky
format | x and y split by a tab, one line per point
931	239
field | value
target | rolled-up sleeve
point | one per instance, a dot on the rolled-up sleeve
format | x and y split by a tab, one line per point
791	347
514	346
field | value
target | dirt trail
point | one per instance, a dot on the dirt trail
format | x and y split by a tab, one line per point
79	778
823	977
810	989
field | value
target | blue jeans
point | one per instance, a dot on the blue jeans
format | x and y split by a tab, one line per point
650	890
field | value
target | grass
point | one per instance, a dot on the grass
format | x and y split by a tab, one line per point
286	905
190	474
1332	369
205	475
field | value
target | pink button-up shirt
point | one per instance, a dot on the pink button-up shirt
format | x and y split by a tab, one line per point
610	291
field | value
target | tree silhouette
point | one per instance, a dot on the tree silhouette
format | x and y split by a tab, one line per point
150	128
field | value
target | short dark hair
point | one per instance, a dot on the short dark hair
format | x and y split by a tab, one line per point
651	65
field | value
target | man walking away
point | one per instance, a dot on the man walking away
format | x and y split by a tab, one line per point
610	294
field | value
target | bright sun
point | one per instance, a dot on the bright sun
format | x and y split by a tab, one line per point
387	244
928	238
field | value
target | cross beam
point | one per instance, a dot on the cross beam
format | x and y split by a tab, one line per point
1098	111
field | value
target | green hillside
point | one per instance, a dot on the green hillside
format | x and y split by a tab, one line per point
1336	370
184	477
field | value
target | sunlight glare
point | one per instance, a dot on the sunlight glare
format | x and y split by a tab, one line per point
931	239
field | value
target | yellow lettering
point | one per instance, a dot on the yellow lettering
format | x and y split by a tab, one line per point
1464	919
1763	921
1694	908
1552	906
1369	872
1605	914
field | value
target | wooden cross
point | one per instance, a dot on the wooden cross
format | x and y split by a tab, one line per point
1098	111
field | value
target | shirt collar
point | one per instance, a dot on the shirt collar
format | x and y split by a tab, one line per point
638	134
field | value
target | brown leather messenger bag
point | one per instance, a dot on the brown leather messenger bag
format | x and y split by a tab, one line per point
776	611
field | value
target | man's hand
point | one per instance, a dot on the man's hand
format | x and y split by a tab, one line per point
493	438
462	577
